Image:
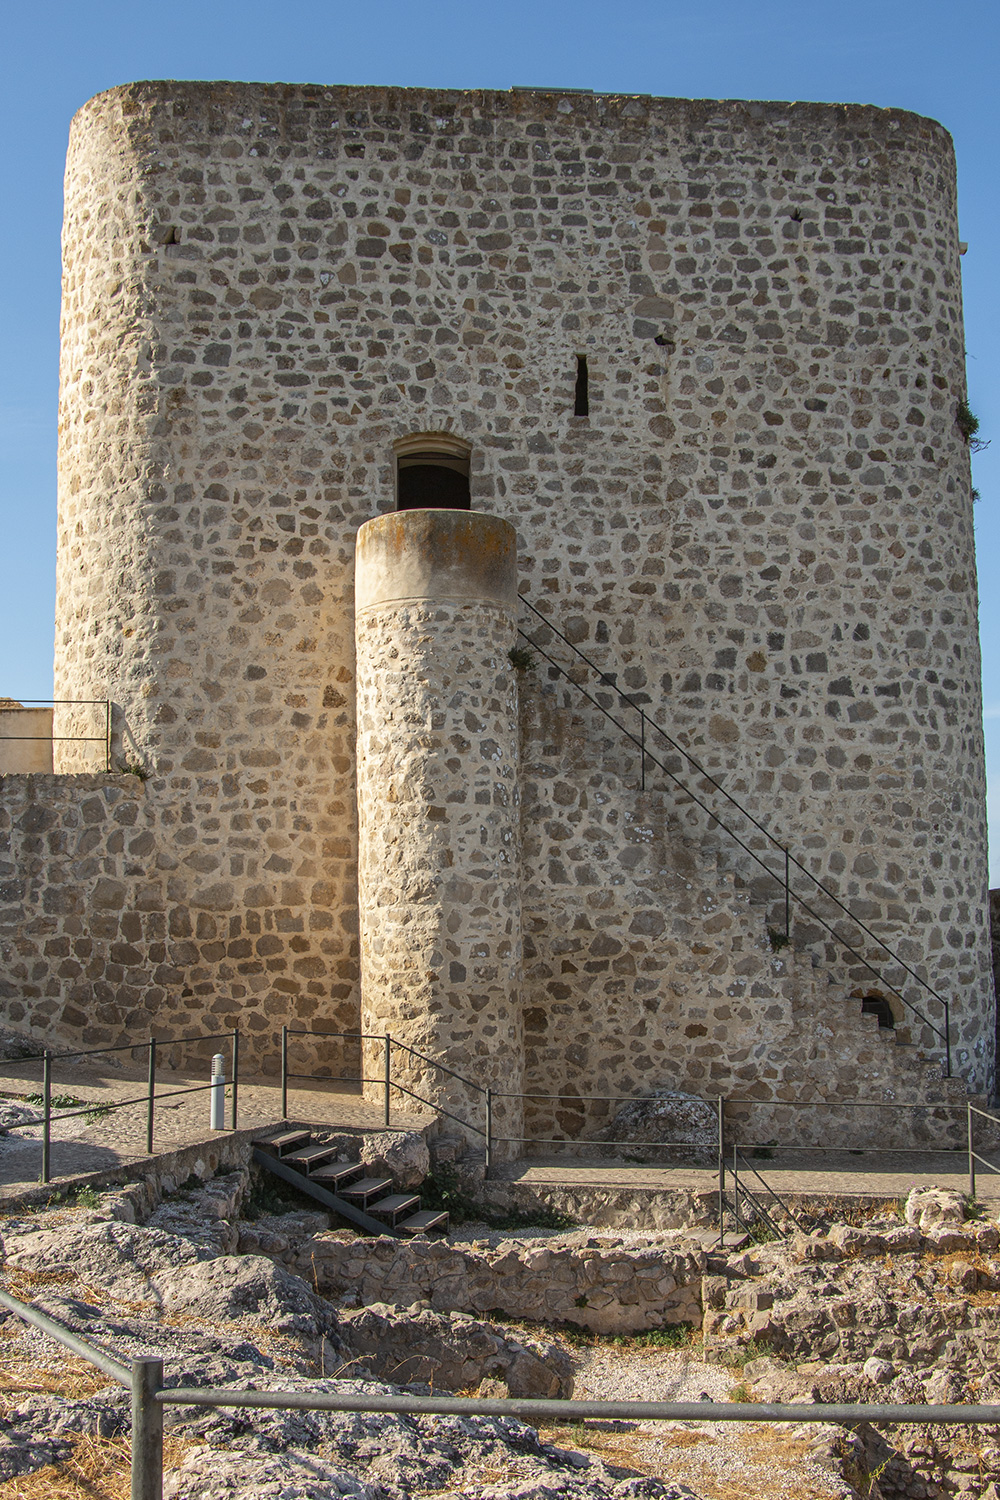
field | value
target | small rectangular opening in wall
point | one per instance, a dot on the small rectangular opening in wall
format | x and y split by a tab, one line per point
581	401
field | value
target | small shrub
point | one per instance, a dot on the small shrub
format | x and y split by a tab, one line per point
761	1233
740	1355
968	425
674	1336
777	939
740	1392
440	1189
86	1197
134	768
98	1112
521	659
58	1101
267	1195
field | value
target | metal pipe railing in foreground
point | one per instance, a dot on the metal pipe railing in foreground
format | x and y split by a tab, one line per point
66	1337
573	1411
150	1396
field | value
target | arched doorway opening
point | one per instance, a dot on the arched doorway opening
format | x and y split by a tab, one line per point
432	472
878	1005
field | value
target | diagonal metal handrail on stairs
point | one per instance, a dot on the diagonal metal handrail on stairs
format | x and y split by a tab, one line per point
646	724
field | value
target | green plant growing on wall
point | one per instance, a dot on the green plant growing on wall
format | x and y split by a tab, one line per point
777	939
134	768
968	425
521	659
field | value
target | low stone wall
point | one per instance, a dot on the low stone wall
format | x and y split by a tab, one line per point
606	1207
147	1182
606	1288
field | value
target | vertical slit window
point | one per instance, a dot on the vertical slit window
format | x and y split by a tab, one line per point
581	400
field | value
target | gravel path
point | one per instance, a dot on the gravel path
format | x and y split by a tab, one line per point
716	1461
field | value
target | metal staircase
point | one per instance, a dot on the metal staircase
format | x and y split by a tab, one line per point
779	872
364	1201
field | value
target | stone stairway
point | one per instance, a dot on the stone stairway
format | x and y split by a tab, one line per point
821	990
588	744
725	1011
368	1202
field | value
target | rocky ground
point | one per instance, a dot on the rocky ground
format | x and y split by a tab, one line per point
900	1308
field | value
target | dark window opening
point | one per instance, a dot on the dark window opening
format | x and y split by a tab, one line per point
581	401
432	481
878	1005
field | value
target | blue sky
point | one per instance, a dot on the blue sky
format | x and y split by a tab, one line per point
937	57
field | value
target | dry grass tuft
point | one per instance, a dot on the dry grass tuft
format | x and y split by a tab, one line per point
98	1469
72	1378
685	1439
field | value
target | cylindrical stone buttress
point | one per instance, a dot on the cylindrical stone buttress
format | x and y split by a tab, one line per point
438	811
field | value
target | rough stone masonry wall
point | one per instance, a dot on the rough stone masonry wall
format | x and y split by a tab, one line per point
763	527
605	1287
440	870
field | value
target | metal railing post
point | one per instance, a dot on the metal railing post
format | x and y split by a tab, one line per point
147	1430
284	1072
107	734
972	1157
387	1074
788	915
736	1188
642	746
947	1040
489	1130
721	1113
236	1077
47	1114
150	1095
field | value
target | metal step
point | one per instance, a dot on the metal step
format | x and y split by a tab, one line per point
313	1156
368	1187
287	1141
348	1211
396	1204
335	1173
425	1220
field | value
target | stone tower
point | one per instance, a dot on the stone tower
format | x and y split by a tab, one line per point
704	358
439	835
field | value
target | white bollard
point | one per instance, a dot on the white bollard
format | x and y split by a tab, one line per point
217	1093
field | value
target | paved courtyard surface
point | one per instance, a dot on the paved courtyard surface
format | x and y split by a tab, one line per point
836	1174
97	1140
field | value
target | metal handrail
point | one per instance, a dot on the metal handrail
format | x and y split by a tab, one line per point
213	1036
738	1156
435	1064
973	1155
150	1396
789	858
74	739
387	1081
150	1098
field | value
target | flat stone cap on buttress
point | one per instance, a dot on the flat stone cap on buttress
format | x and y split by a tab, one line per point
436	554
